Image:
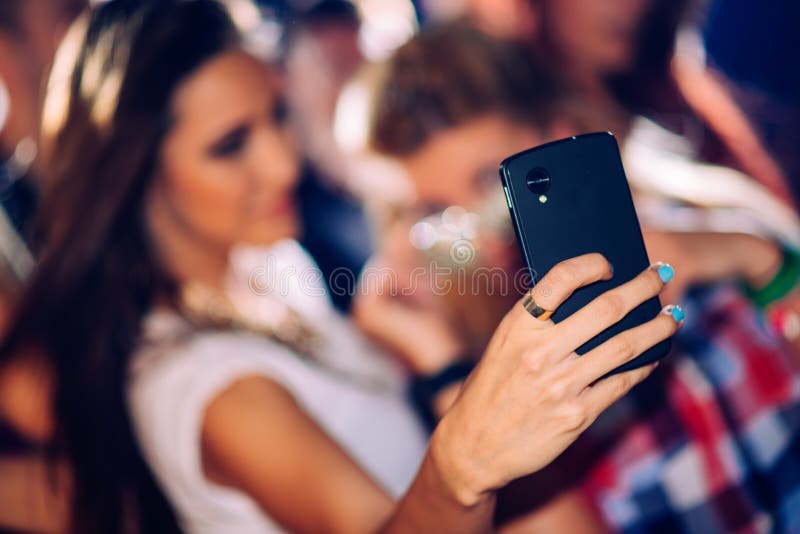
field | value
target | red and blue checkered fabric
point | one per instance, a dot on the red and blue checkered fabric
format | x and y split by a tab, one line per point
711	442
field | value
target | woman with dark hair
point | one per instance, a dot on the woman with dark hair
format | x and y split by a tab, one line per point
620	56
165	148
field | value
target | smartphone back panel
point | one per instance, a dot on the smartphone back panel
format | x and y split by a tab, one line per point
587	208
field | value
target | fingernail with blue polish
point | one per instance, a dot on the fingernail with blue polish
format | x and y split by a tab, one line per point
676	312
611	266
666	272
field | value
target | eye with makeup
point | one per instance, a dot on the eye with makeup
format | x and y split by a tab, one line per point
231	144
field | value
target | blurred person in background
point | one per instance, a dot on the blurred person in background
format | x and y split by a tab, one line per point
670	117
29	34
165	150
30	31
619	55
752	46
322	53
449	106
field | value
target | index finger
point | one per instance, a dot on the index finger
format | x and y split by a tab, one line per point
612	306
563	279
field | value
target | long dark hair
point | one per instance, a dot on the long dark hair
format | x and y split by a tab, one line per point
107	112
646	87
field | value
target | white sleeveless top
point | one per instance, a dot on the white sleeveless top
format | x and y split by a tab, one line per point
177	373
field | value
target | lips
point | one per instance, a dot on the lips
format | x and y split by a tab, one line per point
283	208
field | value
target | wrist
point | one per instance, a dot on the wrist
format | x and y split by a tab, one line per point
459	476
430	358
427	393
780	284
761	260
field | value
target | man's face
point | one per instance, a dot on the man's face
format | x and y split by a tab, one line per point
458	166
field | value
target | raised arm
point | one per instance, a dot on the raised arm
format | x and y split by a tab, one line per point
528	399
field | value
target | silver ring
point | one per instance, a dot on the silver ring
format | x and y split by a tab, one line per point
534	309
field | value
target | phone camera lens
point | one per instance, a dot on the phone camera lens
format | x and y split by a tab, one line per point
538	181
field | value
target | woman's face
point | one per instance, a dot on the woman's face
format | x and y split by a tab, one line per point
228	166
597	34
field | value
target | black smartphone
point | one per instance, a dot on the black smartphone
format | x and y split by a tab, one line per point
569	198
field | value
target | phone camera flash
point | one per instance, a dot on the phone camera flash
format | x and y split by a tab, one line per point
542	198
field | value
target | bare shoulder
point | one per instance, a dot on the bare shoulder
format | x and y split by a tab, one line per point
250	413
248	399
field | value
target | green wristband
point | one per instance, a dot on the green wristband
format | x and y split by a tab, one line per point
781	284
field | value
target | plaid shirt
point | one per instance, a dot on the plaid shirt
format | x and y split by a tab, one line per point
711	442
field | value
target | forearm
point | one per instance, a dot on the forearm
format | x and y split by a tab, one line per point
706	257
566	513
31	499
759	258
26	388
439	502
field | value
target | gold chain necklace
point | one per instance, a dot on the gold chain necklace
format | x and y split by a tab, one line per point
205	307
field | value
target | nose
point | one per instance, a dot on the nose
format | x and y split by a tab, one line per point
276	162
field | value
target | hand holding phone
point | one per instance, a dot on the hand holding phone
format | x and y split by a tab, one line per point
571	197
530	397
